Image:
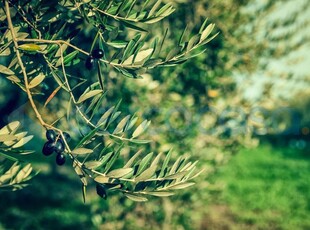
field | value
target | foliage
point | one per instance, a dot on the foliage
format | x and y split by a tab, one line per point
41	57
282	71
14	174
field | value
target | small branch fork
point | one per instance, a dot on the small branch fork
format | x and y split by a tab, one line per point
20	62
24	72
76	162
79	167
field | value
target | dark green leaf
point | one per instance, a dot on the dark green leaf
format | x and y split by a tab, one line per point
112	160
165	164
134	27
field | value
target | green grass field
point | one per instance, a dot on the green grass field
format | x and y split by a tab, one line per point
264	188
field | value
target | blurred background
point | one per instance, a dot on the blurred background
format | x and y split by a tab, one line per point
241	108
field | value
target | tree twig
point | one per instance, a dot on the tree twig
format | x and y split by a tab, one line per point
20	62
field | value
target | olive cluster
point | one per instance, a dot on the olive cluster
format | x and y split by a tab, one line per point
55	143
95	54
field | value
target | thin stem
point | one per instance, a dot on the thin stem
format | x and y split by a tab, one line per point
19	10
20	62
94	41
38	115
70	91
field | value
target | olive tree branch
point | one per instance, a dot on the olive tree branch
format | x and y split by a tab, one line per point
33	105
20	62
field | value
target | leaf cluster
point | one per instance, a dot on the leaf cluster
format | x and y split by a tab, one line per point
13	173
39	53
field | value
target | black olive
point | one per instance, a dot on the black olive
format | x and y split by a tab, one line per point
60	159
59	147
97	53
50	135
48	148
101	191
89	63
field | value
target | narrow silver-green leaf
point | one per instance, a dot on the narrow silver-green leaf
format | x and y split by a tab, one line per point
153	62
10	173
61	50
156	160
159	193
165	10
22	174
102	179
147	174
92	164
105	158
121	125
7	137
206	32
203	25
141	128
89	94
140	56
22	141
137	141
175	165
13	78
143	55
117	44
182	185
81	151
112	160
6	70
165	164
118	173
36	81
176	175
135	197
154	8
192	42
132	159
105	116
144	162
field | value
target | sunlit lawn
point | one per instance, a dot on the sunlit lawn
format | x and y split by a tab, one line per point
265	188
